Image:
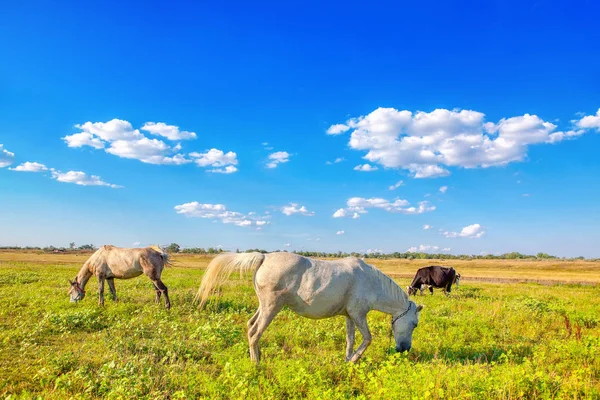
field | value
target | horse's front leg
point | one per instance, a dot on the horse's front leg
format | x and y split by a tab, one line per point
350	332
101	289
361	323
111	286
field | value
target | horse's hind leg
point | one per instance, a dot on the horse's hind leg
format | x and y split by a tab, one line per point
252	322
158	293
350	332
111	286
265	316
101	289
163	289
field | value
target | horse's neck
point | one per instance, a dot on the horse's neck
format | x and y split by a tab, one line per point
84	275
391	299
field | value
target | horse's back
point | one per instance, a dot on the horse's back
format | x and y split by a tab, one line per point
312	288
125	263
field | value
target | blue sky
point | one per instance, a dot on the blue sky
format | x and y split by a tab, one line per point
220	124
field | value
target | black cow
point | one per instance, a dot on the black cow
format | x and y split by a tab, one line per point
434	276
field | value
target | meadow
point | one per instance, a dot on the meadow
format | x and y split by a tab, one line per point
493	338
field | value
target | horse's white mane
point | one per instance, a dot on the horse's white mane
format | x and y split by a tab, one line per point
390	288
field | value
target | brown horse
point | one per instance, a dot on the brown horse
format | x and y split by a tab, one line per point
110	262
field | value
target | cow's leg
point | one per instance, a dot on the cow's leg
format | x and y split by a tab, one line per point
350	335
101	289
111	286
360	320
431	289
448	289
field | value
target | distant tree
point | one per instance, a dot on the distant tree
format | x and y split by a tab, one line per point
72	245
86	247
173	248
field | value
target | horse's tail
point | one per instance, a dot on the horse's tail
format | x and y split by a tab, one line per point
164	255
221	267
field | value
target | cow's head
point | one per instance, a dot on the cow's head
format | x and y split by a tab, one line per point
404	324
411	290
457	279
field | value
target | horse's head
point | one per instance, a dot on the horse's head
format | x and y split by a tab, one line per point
404	324
76	292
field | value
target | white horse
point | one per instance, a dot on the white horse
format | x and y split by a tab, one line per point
317	289
110	262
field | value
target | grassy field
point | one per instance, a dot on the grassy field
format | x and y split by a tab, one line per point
489	340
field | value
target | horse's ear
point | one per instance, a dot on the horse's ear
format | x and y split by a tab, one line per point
420	307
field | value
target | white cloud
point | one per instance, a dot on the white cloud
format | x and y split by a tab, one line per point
230	169
279	157
336	161
30	167
427	171
590	121
427	227
115	129
294	208
427	143
337	129
340	232
83	139
223	163
340	213
150	151
474	231
444	189
135	244
446	249
119	138
171	132
423	249
365	168
287	245
81	178
373	251
6	157
359	205
396	185
219	212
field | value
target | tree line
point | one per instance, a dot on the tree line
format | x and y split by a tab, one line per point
175	248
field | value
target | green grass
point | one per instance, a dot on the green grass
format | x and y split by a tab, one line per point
486	341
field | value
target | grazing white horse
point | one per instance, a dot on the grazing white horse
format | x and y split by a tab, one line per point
110	262
317	289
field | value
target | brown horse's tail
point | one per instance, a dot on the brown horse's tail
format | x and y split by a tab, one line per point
221	267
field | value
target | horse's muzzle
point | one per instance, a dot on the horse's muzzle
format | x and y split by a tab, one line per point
402	348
